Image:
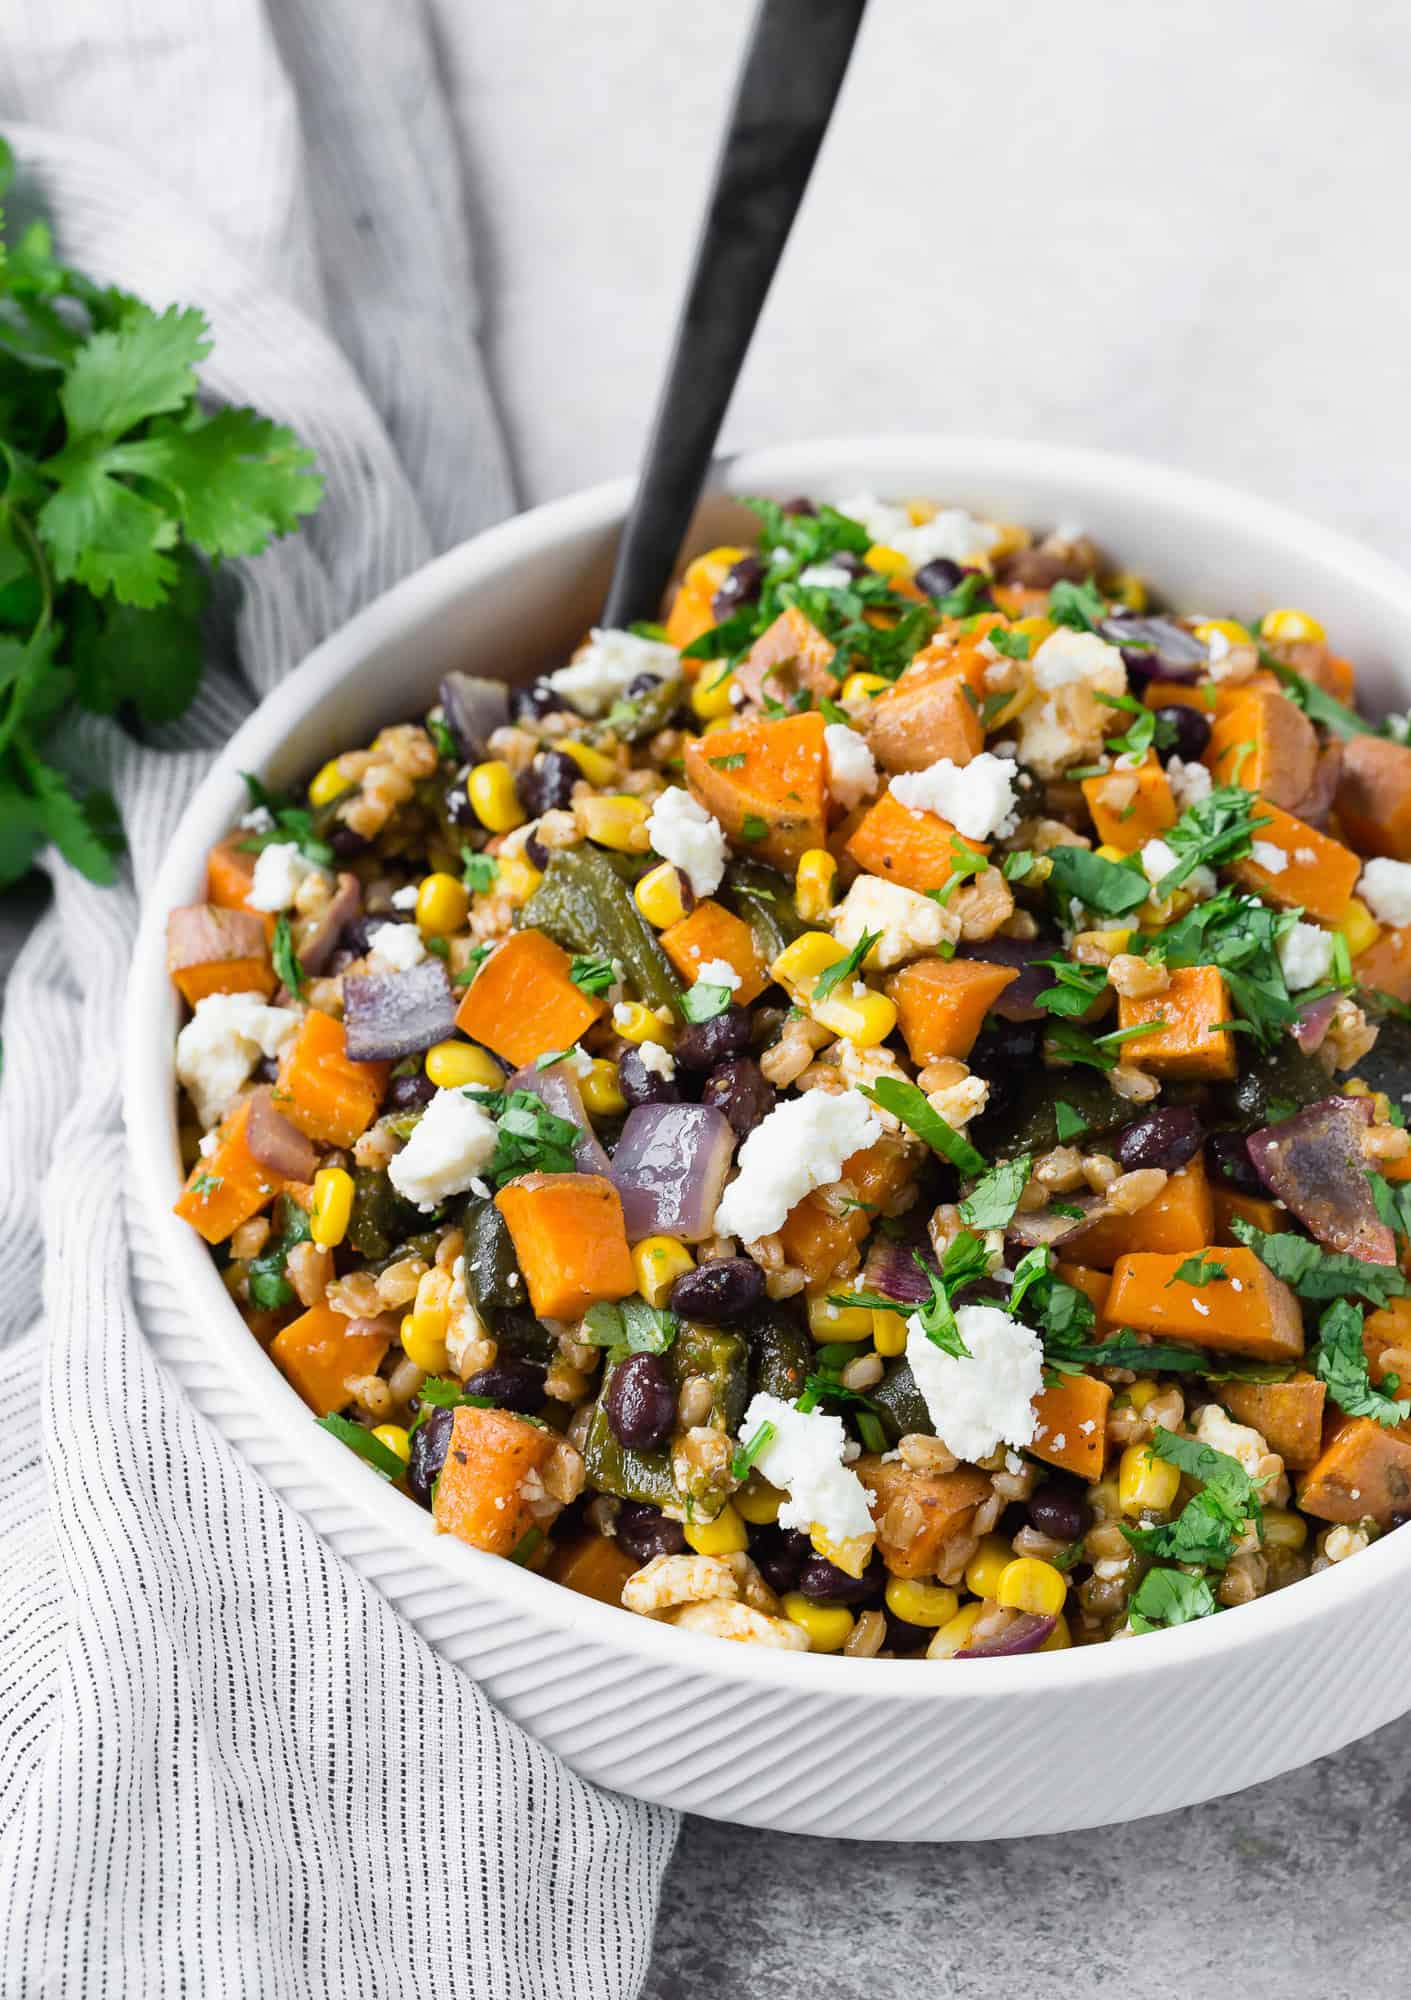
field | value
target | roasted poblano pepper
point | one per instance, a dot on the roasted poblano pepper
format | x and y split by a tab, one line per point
707	1351
585	906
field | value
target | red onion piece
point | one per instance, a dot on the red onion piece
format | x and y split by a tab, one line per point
1315	1017
670	1167
558	1088
1025	1634
389	1015
319	946
474	710
277	1144
1157	648
892	1270
1313	1162
202	934
1043	1226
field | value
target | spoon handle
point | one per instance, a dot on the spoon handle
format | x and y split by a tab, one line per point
789	82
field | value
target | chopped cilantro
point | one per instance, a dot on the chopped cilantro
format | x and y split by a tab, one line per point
966	598
594	976
205	1185
746	1454
474	960
1080	606
1014	645
831	712
378	1455
908	1103
1140	732
1320	1274
1340	1360
1317	704
1016	866
992	1201
478	870
1197	1271
832	976
633	1324
284	958
531	1139
1068	1123
1211	832
1170	1597
1112	888
291	824
441	736
752	827
1240	936
730	762
965	862
702	1002
1076	988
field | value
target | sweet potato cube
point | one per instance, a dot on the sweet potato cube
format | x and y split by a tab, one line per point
1230	1206
942	1003
1129	808
1248	1311
1289	1415
1071	1428
933	711
228	1186
570	1239
1374	796
1385	966
916	1512
713	932
320	1354
1389	1330
1180	1218
522	1003
825	1246
230	873
1265	743
902	845
790	655
1191	1044
487	1493
322	1090
594	1567
1318	875
773	803
1363	1469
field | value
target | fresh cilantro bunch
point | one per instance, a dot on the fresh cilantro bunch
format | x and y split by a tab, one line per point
116	492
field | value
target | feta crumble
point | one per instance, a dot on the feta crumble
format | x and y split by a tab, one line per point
405	899
952	532
691	839
800	1146
1306	955
717	972
1159	858
1386	890
985	1401
977	798
911	924
1190	783
280	870
825	576
1068	724
395	948
222	1042
601	672
1268	857
661	1062
852	774
453	1139
804	1459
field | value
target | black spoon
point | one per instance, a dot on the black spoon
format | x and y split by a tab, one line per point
789	82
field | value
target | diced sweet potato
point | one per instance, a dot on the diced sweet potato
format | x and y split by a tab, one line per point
1181	1218
322	1351
933	711
522	1003
570	1239
487	1494
230	873
692	611
790	655
1384	1330
1316	661
1318	875
1192	1044
1265	743
321	1090
942	1003
773	804
1185	694
594	1567
228	1186
1129	808
917	1512
1071	1429
713	932
824	1246
1362	1470
1374	796
1248	1311
916	849
211	949
1288	1415
1385	966
1229	1206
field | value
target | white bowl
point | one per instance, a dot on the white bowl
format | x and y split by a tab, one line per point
874	1749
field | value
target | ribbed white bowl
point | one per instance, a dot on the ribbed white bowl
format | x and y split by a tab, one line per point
874	1749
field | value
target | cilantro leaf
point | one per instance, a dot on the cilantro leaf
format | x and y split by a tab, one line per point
633	1324
703	1001
1013	645
1170	1597
1076	988
1068	1123
1340	1360
379	1456
746	1454
1210	833
993	1200
1317	704
478	872
1112	888
832	976
1320	1274
909	1103
529	1138
1080	606
1197	1271
284	958
594	976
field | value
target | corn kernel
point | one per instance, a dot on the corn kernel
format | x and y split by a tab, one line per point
1142	1391
1283	1529
1030	1585
459	1065
1224	628
1146	1483
889	1333
813	884
1359	927
1059	1639
887	562
1129	589
596	767
864	1019
724	1536
1113	854
424	1347
759	1502
658	1262
518	879
827	1625
921	1603
987	1566
395	1438
800	963
851	1555
636	1023
1285	625
617	821
601	1093
328	784
490	789
864	687
332	1207
442	905
718	724
710	693
955	1633
658	896
827	1322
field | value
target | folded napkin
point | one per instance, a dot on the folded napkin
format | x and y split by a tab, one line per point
226	1767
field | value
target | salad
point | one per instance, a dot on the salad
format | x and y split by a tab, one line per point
865	1117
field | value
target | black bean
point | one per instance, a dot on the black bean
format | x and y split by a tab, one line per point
825	1583
742	1091
527	704
512	1384
641	684
407	1093
1166	1138
547	784
459	810
741	585
645	1532
724	1289
356	935
535	852
640	1085
939	577
1058	1509
640	1402
800	504
346	844
1228	1163
430	1442
703	1044
905	1638
779	1555
1400	1519
1192	731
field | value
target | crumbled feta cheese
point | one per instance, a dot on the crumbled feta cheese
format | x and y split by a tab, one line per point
717	972
210	1143
1190	783
1068	724
977	798
951	533
453	1140
1386	890
405	899
1265	855
259	819
602	670
222	1042
690	838
395	948
979	1403
911	924
1239	1441
852	775
1306	955
804	1459
961	1101
279	870
1068	657
1159	858
800	1146
658	1060
825	576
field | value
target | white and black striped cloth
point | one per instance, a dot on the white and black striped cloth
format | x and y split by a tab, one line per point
226	1768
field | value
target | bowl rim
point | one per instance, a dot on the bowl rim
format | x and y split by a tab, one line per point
149	1097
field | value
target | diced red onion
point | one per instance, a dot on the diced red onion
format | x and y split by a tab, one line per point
389	1015
202	934
558	1088
344	904
277	1144
474	710
1157	648
892	1270
1024	1634
1315	1017
670	1167
1029	1228
1313	1162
